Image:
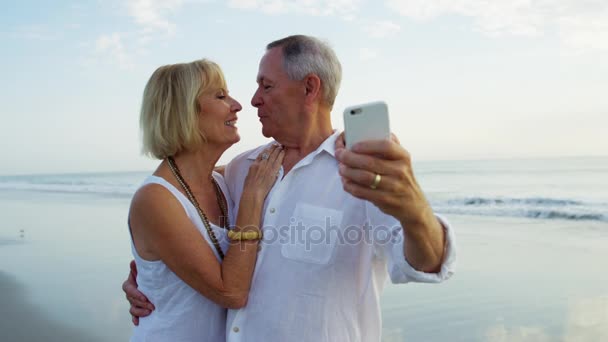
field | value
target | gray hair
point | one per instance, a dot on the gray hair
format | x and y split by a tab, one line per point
303	55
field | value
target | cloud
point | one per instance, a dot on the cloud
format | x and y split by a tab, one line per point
382	29
366	54
520	17
151	15
113	47
343	8
152	23
585	32
580	24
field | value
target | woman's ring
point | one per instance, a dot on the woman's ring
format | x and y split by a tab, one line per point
265	156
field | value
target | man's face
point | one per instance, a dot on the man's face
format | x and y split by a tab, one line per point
278	99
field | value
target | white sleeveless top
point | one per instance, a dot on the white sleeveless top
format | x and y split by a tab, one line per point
181	314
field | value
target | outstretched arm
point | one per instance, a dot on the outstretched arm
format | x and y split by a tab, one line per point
380	171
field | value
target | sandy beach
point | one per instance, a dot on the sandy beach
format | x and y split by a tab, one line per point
517	279
22	320
63	278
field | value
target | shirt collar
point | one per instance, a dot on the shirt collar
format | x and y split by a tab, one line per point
329	146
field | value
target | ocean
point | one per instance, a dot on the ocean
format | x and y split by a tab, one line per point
532	239
568	189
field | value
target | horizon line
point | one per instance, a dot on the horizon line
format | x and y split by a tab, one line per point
91	172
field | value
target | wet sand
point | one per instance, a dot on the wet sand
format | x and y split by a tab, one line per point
516	280
62	280
21	320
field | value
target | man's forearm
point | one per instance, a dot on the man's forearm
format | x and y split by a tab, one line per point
424	244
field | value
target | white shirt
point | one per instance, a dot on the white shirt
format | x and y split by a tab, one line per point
317	276
181	313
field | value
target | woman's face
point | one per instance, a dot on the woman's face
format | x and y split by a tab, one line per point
217	118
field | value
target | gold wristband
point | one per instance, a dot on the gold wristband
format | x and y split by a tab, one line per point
240	236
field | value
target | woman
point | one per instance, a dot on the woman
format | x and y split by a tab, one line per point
180	215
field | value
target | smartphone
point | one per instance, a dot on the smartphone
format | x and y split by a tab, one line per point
367	121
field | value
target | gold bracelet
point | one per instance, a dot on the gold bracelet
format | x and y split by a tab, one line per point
240	236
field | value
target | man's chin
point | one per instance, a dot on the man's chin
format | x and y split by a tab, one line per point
266	133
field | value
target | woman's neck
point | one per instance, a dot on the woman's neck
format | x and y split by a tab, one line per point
197	166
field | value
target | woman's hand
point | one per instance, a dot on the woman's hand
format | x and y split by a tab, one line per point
264	171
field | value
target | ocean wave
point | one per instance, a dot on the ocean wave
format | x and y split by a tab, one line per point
124	185
110	191
120	185
513	201
532	207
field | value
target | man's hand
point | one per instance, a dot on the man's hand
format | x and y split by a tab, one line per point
380	171
140	305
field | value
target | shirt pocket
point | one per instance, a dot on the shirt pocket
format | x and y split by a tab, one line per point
313	233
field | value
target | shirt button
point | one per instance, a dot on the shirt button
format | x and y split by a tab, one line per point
272	210
235	329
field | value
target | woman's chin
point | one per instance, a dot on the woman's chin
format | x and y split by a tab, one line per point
235	139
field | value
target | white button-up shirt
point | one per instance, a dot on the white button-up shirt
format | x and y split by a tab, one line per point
325	257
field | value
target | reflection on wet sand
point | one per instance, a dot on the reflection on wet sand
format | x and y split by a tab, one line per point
500	333
22	321
586	321
6	242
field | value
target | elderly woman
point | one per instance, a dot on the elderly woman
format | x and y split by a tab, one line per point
190	265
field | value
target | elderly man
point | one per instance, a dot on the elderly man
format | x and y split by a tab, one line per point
354	228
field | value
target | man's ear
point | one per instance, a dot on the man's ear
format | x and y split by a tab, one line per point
312	86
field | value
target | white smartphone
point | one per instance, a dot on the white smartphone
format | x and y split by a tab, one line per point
367	121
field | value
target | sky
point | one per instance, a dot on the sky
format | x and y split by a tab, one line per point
463	79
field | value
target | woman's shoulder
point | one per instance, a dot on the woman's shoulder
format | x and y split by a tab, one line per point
155	193
153	186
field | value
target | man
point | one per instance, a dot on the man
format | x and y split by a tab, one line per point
336	220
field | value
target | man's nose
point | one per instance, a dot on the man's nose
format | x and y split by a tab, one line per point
256	100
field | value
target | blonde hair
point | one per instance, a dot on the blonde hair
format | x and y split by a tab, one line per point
170	110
